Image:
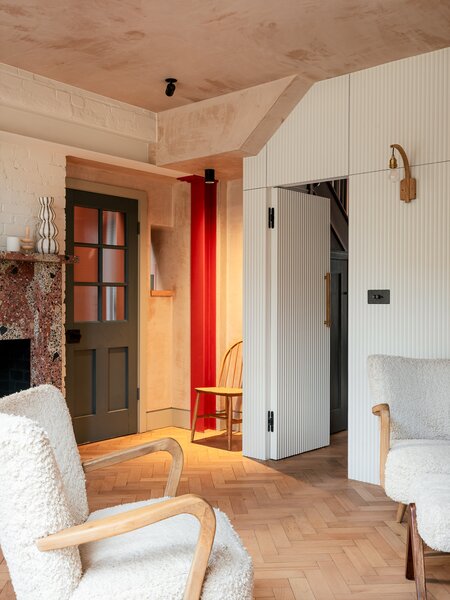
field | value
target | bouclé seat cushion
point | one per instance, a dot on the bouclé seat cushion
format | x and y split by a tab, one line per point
153	563
432	494
409	460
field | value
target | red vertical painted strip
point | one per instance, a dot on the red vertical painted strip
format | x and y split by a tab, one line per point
203	293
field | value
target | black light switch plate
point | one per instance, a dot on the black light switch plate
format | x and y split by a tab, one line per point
378	296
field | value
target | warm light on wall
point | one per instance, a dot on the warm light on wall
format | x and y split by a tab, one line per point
408	184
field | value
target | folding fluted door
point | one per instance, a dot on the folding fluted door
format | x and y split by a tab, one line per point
286	329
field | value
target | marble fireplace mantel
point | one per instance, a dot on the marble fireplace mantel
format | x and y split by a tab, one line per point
31	307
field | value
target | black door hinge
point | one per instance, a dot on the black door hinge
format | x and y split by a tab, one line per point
271	223
138	393
138	228
270	421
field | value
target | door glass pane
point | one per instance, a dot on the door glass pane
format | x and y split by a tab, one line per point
113	228
86	270
113	303
85	225
113	265
85	303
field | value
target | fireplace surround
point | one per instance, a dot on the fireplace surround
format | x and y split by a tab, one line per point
15	361
31	308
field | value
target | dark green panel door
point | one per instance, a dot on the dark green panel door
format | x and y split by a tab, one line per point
339	343
101	315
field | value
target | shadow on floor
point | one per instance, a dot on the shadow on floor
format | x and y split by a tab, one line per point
219	441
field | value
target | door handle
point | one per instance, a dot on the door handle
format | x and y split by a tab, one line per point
73	336
327	321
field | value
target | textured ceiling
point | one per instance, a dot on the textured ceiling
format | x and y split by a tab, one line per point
126	48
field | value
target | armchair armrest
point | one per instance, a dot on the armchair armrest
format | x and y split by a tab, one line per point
382	410
141	517
164	444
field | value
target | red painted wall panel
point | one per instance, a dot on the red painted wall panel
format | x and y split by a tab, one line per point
203	293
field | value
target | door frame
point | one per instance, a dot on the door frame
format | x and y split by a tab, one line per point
143	275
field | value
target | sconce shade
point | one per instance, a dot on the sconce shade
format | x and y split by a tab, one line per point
210	176
394	175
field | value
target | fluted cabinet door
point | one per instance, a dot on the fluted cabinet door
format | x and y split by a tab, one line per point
255	324
300	357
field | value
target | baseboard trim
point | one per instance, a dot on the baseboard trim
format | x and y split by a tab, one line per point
168	417
181	418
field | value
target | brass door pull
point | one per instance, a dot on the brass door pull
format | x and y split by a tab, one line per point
327	321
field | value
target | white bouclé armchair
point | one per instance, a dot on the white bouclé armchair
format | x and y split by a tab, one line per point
413	402
167	548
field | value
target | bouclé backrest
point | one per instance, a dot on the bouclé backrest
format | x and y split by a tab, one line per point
33	505
418	393
45	405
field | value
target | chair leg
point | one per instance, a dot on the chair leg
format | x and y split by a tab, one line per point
418	560
401	509
194	419
409	567
229	420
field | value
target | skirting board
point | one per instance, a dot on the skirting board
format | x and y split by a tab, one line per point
168	417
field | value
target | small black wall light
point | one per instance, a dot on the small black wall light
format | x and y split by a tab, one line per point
170	89
210	176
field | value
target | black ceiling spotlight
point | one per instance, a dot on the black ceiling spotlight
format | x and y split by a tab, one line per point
210	176
170	89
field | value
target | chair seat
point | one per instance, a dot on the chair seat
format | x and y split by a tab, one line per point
409	460
432	494
153	563
220	391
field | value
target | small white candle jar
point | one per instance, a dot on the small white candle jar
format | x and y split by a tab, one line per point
12	243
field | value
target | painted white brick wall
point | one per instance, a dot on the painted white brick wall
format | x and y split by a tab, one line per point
26	90
25	174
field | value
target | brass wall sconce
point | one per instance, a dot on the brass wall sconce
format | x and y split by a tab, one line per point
408	184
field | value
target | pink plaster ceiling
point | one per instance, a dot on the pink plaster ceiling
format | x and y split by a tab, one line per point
125	48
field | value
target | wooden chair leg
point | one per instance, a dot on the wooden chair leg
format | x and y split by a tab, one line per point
409	567
401	509
417	555
194	419
229	420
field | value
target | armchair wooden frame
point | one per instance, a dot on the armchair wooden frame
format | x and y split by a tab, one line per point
383	411
415	555
164	444
141	517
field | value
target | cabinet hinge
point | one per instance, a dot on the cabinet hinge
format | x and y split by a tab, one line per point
270	421
138	228
138	393
271	222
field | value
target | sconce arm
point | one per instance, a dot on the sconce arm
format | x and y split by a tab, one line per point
404	158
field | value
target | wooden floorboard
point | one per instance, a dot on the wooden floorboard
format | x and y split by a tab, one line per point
313	534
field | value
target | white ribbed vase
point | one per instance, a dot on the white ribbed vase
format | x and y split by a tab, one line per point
48	231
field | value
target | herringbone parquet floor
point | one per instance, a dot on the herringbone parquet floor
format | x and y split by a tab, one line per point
312	533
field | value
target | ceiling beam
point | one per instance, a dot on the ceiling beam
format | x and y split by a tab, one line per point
219	132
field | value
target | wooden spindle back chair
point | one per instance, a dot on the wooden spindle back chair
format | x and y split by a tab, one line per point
229	386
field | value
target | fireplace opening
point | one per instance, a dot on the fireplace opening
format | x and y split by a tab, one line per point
14	366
